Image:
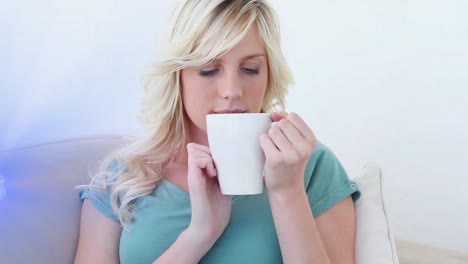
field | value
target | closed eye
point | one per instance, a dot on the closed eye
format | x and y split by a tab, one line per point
250	71
208	73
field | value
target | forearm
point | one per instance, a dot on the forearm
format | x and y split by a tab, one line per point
297	232
186	249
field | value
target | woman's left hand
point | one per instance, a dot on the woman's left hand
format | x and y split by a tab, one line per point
287	147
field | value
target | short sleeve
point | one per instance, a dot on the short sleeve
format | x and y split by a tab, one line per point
326	181
100	197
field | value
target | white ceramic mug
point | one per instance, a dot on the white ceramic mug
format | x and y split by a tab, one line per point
235	148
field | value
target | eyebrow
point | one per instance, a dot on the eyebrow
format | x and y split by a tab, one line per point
253	56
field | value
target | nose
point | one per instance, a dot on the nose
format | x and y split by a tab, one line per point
231	86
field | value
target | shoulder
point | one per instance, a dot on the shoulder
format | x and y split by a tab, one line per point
106	175
321	153
99	192
110	170
116	166
322	161
326	180
321	148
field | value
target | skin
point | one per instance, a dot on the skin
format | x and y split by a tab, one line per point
237	80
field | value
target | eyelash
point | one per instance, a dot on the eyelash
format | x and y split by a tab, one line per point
251	71
208	73
213	72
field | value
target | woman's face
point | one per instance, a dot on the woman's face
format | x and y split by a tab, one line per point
235	82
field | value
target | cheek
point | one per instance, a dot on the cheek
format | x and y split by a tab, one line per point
262	92
261	87
196	98
197	94
189	98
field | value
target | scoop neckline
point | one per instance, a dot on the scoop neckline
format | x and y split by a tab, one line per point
185	194
176	189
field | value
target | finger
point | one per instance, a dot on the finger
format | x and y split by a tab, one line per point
280	140
301	126
195	146
277	116
206	164
268	147
211	169
291	133
201	152
200	163
198	151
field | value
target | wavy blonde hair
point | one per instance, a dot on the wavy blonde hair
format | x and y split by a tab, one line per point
203	30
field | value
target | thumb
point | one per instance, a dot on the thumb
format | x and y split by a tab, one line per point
277	116
211	169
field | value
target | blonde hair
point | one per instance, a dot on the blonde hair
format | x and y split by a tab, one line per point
203	30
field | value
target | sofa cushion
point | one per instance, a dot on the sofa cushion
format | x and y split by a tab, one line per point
411	252
40	209
374	239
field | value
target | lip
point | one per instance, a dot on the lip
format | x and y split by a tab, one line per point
229	111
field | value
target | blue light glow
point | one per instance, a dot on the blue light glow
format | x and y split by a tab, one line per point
2	187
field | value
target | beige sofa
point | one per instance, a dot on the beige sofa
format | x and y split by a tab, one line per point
40	209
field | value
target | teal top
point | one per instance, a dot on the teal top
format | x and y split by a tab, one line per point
250	237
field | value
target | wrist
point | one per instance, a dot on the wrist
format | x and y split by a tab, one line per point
287	194
197	241
291	187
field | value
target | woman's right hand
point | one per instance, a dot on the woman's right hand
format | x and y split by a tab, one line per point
211	210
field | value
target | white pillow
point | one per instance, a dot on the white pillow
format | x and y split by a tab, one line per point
374	240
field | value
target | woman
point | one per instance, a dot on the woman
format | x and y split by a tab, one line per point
158	199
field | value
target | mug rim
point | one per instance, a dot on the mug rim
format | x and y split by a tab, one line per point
237	114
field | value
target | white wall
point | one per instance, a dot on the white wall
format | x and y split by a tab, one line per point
381	81
387	81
